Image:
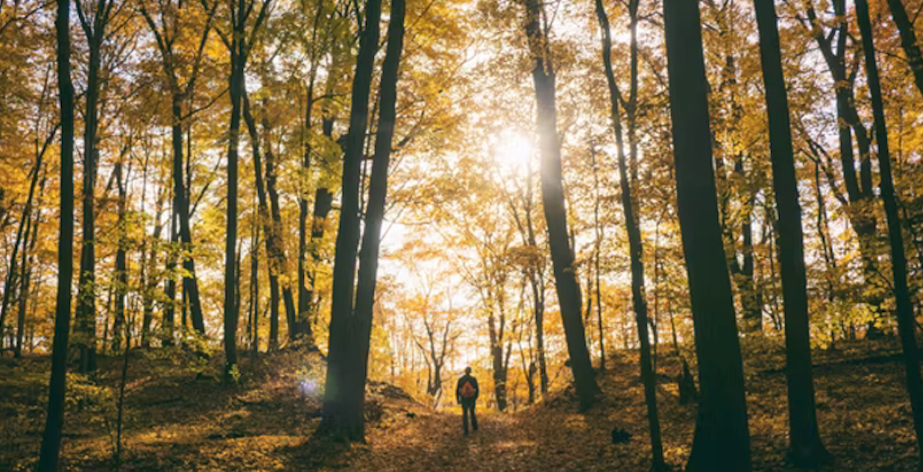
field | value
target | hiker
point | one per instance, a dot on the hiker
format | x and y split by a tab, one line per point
467	395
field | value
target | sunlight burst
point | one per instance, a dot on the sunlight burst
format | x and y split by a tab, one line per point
513	150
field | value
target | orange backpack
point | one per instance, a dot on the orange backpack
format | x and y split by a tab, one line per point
467	390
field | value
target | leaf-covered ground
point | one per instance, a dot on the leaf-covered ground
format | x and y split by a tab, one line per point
180	418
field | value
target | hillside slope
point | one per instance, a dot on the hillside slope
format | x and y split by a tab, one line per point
179	418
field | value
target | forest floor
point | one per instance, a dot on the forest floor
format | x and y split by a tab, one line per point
178	417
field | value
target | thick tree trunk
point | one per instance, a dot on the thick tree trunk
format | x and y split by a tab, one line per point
375	211
54	421
86	288
905	319
562	257
236	92
341	418
806	448
722	440
908	40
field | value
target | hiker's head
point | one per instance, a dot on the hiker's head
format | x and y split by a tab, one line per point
467	370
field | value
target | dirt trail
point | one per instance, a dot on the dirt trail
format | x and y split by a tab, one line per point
435	442
530	440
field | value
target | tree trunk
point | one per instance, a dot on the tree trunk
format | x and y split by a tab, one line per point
496	334
149	281
722	440
539	298
823	232
304	295
236	92
341	418
28	259
908	41
859	189
806	448
530	378
303	325
169	311
275	237
500	376
323	203
121	266
635	248
634	242
536	274
596	256
121	401
752	312
905	319
375	212
254	332
589	300
181	207
54	421
181	186
105	339
268	228
562	257
86	288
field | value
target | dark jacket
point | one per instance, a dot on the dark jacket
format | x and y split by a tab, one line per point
461	381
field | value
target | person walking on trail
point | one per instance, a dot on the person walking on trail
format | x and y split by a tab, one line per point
467	395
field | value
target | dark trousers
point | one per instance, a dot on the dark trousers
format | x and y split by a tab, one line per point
468	405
